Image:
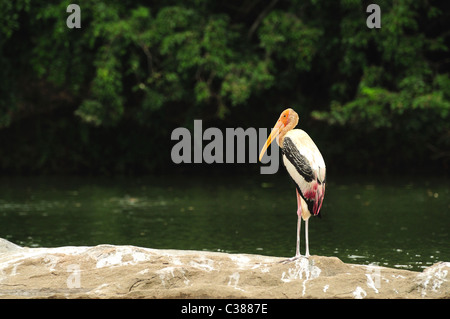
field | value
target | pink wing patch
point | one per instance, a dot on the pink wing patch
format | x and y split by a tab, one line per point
320	193
316	193
311	192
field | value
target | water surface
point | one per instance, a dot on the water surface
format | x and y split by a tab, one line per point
402	223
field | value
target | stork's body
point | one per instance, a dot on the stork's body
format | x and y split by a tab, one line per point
306	167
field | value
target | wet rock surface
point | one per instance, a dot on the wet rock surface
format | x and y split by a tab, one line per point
108	271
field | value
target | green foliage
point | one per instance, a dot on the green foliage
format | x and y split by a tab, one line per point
383	96
9	19
402	93
160	66
284	36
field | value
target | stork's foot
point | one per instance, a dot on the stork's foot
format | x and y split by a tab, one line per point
285	261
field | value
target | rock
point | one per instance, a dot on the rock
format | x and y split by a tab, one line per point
108	271
7	246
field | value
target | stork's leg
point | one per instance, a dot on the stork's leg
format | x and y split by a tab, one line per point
307	238
299	224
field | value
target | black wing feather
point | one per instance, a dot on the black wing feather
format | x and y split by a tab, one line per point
299	161
302	166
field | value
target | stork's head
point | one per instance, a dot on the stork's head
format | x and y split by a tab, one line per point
287	121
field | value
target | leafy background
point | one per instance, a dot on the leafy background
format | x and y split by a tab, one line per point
105	98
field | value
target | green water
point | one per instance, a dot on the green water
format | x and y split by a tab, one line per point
401	223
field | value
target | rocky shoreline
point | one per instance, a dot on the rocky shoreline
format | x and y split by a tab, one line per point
108	271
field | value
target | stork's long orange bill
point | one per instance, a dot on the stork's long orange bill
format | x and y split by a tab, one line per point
273	135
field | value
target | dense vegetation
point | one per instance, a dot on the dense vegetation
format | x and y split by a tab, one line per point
104	98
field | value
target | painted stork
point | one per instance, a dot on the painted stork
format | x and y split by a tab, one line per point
305	165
